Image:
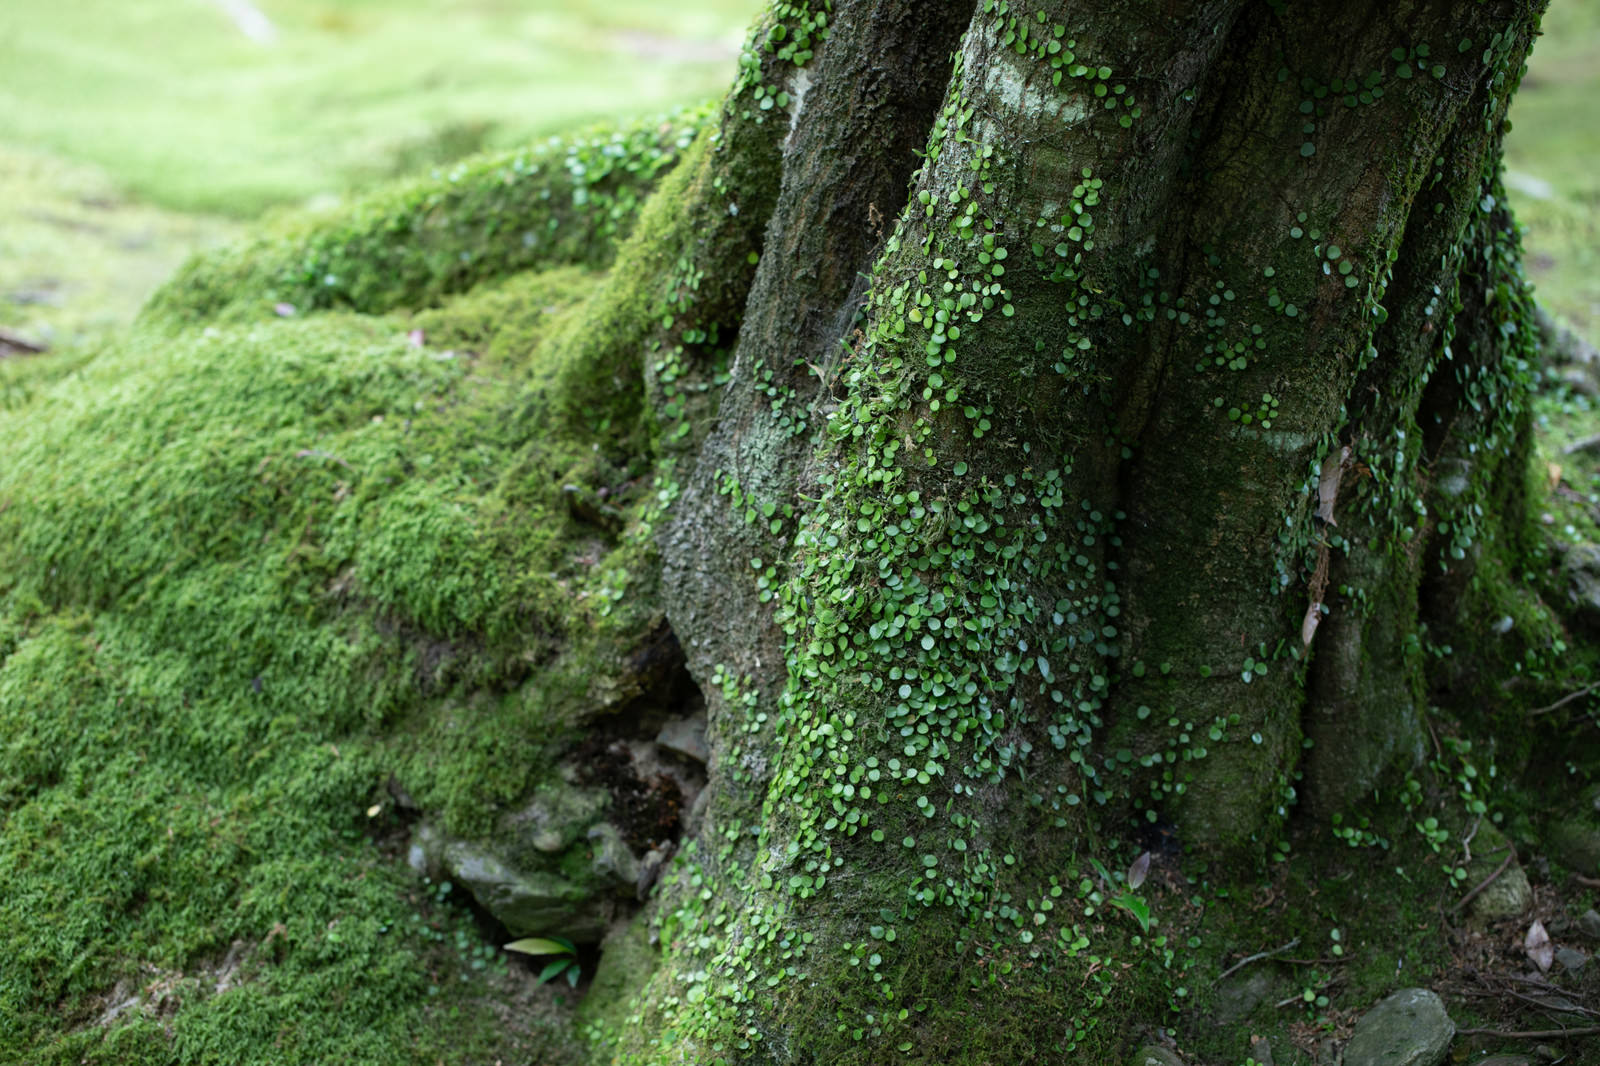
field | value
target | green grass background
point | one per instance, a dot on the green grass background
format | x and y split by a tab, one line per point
133	133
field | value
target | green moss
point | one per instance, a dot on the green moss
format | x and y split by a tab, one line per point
251	572
411	245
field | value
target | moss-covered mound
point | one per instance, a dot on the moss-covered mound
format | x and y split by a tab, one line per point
260	566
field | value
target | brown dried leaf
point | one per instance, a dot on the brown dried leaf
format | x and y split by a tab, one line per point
1308	625
1537	945
1139	870
1333	465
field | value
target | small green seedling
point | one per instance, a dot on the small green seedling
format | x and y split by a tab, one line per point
564	962
1126	900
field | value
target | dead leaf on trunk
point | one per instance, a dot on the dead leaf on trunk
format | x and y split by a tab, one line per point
1333	465
1308	625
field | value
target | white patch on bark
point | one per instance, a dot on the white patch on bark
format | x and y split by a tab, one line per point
1010	84
1281	441
250	20
797	93
1331	474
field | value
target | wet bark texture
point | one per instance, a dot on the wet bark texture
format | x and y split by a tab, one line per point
1107	469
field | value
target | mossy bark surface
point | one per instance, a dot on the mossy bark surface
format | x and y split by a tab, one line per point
1094	469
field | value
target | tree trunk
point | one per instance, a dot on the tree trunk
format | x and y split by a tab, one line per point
1127	404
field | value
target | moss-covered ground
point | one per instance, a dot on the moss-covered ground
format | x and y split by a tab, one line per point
250	571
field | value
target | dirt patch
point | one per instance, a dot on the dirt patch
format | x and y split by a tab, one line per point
647	811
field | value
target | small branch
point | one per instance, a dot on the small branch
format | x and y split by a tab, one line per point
1485	883
1535	1034
1570	1008
1587	882
1257	957
1582	444
1564	700
1466	843
11	342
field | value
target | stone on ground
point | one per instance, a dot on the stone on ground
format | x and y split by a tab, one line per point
1410	1028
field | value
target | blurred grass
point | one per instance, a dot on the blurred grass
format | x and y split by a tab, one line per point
133	133
188	112
1553	164
77	256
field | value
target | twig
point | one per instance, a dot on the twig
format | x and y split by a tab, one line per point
1257	957
1581	444
1564	700
1485	883
1588	882
1536	1034
1571	1008
1466	842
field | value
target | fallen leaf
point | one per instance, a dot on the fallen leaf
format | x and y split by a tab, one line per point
1537	945
1554	470
1139	870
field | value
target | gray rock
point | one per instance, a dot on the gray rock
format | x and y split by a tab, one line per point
1154	1055
1589	924
525	901
687	736
556	819
1261	1051
1505	1060
1242	993
1410	1028
612	859
1582	570
1579	379
1508	895
1571	959
1574	843
533	899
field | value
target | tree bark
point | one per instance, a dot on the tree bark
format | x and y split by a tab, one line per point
1126	401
